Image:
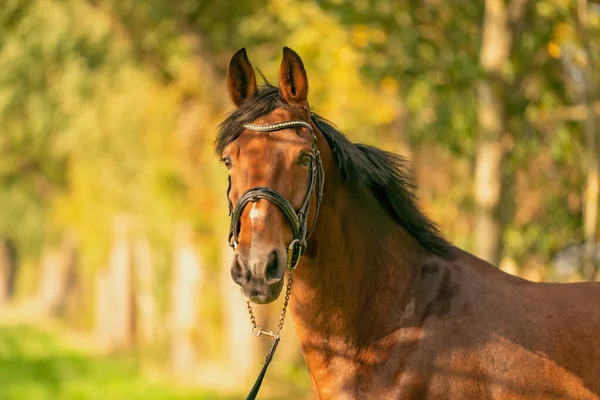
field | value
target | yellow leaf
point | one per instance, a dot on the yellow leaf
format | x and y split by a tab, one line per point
553	49
389	85
563	32
378	36
360	35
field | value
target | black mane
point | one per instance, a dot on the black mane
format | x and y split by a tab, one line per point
386	174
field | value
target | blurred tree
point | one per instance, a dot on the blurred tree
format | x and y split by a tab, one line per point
500	25
425	53
35	48
8	270
592	158
187	283
432	50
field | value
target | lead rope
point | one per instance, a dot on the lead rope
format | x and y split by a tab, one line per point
257	330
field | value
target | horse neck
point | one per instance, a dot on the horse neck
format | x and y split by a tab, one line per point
354	282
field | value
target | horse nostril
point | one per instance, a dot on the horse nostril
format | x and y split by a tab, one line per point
237	271
272	269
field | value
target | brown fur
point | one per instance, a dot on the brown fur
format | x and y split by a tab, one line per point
384	309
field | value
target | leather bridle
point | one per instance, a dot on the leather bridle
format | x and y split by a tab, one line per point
298	219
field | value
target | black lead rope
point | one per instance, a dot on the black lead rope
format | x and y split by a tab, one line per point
263	371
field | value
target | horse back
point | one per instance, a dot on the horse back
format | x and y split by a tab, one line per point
486	334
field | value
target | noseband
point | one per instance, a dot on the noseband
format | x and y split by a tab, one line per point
298	219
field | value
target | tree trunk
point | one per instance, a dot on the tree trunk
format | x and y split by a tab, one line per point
8	270
58	278
50	279
500	24
187	276
492	125
591	190
104	306
399	130
121	288
590	199
144	299
68	301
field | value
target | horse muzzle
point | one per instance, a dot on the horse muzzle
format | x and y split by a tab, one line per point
261	278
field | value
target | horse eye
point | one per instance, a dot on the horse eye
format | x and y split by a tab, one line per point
227	162
304	159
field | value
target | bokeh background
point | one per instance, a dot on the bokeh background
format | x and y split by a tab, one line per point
113	221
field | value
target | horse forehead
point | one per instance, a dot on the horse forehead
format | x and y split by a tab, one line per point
274	117
261	155
276	145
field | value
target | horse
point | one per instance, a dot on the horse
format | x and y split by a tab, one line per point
383	305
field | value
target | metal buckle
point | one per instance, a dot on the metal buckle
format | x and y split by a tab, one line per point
233	243
257	330
295	250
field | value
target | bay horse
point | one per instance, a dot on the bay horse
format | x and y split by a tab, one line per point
383	305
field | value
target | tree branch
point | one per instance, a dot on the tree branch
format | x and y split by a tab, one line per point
577	112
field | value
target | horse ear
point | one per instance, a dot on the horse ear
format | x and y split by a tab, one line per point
241	81
292	77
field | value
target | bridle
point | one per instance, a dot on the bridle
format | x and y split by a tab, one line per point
298	219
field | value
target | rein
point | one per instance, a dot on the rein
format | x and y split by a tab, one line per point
298	220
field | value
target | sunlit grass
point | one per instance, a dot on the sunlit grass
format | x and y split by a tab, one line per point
36	366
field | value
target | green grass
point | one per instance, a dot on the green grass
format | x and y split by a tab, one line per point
34	365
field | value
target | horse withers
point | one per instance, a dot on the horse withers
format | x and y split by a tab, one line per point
383	305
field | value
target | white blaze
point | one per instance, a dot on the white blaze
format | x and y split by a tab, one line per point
255	213
256	216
